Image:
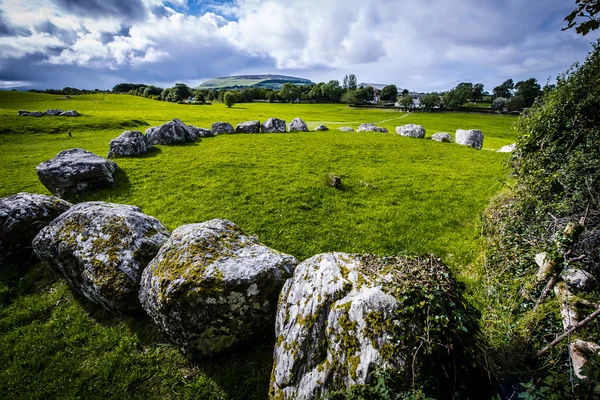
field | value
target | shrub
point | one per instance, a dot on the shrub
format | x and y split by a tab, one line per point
229	99
516	103
349	97
499	103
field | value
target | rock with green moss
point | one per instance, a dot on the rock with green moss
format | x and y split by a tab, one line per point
212	286
101	250
75	171
22	216
334	326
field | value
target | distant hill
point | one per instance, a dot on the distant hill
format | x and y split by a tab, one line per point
256	81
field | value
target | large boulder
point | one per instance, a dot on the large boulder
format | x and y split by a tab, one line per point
219	128
172	132
273	125
297	125
321	128
470	137
248	127
129	143
52	112
22	216
441	137
411	130
212	286
345	129
199	132
370	128
343	316
101	250
75	171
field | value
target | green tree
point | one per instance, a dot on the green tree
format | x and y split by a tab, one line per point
332	91
516	103
477	92
587	9
430	101
352	82
529	90
389	93
499	103
349	97
229	99
405	92
406	102
505	89
364	95
345	82
289	92
458	96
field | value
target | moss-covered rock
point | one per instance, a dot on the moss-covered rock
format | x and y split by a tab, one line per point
101	250
212	286
22	216
342	317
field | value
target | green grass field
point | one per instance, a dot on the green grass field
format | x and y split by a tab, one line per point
399	194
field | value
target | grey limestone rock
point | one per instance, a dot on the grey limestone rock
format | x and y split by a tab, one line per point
70	113
248	127
580	280
509	148
411	130
75	171
52	112
321	128
297	125
328	300
345	129
129	143
470	137
273	125
23	113
212	286
101	250
22	216
219	128
199	132
172	132
370	128
36	114
441	137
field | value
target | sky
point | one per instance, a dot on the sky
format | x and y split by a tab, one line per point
422	46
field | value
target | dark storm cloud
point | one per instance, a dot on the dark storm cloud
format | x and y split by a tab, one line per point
68	36
159	11
107	37
126	9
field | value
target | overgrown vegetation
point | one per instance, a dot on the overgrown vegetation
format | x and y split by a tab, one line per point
557	170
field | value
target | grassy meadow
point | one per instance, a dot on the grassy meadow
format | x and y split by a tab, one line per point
399	195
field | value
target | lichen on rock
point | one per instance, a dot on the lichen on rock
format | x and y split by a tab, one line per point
212	286
101	250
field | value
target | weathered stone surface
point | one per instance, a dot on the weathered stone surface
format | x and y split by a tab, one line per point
199	132
212	286
273	125
172	132
219	128
345	129
328	301
470	137
321	128
546	265
370	128
22	216
36	114
129	143
509	148
75	171
22	113
52	112
248	127
441	137
101	250
297	125
334	181
581	350
70	113
580	280
411	130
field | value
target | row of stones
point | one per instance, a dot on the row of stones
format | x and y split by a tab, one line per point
210	286
50	112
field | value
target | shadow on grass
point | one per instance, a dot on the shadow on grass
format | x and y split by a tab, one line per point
121	186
